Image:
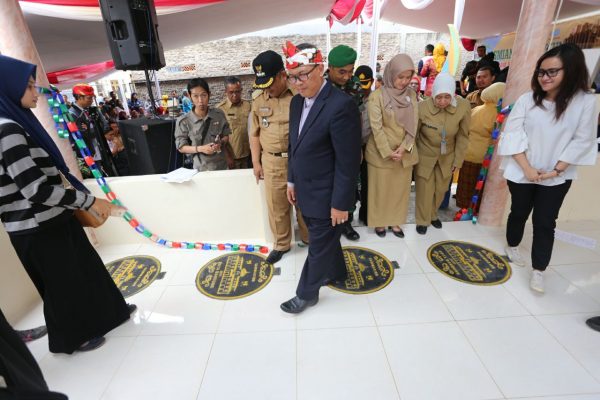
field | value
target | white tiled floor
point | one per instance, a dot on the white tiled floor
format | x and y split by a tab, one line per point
424	336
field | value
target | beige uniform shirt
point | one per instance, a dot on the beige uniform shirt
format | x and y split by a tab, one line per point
237	116
270	121
434	123
387	135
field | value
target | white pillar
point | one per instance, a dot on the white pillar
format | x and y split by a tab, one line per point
375	35
328	39
16	42
533	32
123	95
358	39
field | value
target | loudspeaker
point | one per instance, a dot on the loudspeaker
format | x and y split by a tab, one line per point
132	33
150	145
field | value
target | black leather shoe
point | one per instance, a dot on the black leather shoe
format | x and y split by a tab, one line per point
131	308
437	224
296	305
380	233
594	323
421	229
399	233
275	255
349	232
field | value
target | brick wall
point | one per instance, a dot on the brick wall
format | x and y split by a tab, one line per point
215	60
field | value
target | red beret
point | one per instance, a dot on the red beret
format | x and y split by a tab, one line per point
83	89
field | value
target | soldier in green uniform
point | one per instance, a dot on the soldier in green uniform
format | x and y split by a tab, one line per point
340	73
269	139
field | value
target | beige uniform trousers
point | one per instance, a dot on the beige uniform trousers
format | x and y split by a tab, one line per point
430	194
275	170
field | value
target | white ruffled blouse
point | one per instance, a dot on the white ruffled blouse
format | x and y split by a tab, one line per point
545	141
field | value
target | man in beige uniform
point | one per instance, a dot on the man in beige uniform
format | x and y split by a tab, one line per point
236	111
484	78
269	138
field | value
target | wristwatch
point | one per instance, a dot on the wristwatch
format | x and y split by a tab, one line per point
559	172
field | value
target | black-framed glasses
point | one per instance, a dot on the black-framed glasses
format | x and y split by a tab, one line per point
550	72
302	77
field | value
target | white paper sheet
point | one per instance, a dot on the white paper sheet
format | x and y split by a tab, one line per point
180	175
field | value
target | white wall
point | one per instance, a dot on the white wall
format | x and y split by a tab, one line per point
216	206
17	293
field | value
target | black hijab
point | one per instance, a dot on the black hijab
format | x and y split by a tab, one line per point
14	79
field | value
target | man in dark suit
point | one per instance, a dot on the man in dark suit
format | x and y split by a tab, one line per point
324	161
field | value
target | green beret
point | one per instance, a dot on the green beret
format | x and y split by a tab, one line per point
341	55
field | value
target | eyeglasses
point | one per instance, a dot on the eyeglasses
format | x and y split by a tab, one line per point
302	77
551	72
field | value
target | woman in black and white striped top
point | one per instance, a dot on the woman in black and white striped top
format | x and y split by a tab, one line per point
81	302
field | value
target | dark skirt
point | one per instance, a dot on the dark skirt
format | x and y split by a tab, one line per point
467	179
81	301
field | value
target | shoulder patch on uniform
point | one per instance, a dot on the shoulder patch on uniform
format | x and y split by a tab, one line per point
256	93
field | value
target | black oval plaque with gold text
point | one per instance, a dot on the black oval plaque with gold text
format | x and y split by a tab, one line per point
133	274
468	262
368	271
234	275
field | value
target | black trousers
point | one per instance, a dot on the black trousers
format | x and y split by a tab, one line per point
325	258
545	201
19	369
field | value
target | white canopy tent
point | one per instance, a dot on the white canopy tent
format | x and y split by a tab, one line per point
66	43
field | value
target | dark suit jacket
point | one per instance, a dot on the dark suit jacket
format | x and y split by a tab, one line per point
324	160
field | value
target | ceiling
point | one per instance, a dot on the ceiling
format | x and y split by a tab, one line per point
481	18
64	43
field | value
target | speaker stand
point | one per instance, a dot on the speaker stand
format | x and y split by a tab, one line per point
150	93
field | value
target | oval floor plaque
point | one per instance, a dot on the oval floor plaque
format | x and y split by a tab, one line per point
468	262
368	271
234	275
133	274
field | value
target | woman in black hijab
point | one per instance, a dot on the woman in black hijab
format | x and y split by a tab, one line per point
81	302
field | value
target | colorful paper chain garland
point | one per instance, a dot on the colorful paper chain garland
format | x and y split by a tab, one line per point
471	213
66	126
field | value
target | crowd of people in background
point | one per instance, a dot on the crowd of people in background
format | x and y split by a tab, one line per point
322	141
418	124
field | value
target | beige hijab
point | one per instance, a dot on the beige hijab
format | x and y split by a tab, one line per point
399	100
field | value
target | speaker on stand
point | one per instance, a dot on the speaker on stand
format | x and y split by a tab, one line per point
132	31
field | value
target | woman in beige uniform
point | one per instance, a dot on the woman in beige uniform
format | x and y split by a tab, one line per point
442	139
389	153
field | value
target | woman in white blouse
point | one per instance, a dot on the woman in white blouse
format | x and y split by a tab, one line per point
549	132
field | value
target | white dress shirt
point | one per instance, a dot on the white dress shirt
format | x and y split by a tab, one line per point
545	141
308	103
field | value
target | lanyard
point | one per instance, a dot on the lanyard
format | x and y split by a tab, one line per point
443	149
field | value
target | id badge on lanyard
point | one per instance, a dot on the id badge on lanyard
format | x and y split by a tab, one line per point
443	149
